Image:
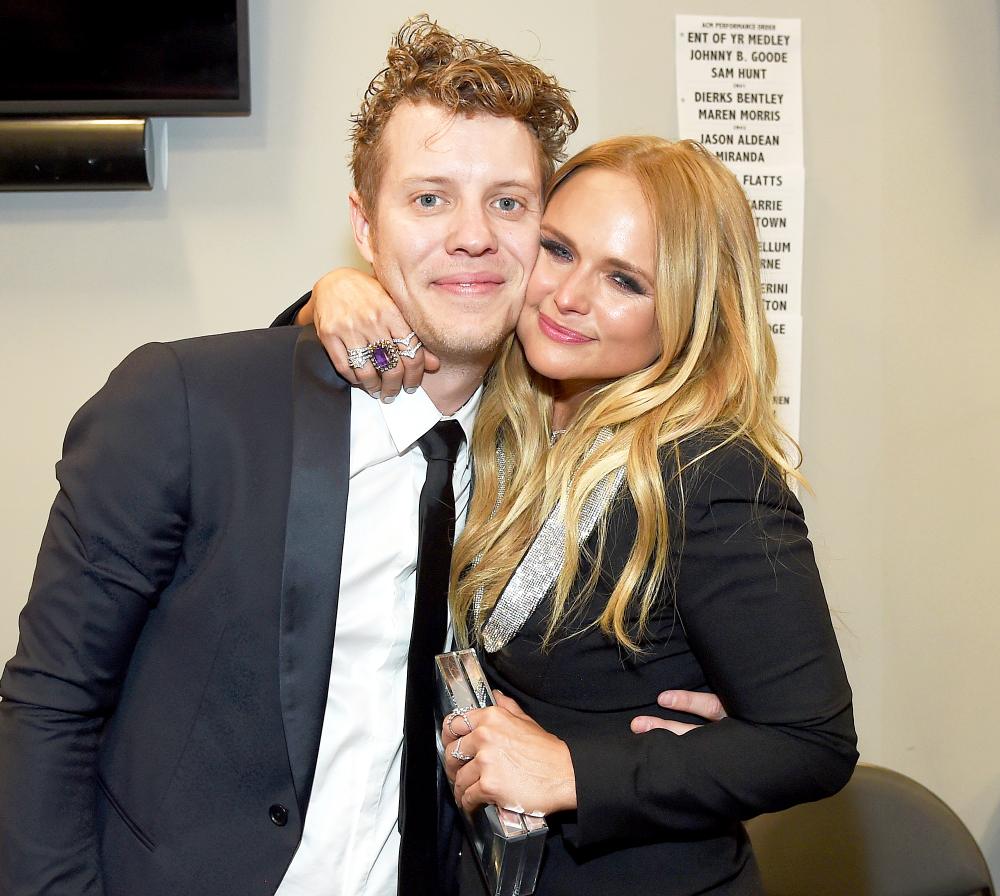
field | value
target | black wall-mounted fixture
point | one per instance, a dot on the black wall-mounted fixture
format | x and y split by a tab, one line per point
78	81
75	154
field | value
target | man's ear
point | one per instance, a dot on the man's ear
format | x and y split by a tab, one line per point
362	227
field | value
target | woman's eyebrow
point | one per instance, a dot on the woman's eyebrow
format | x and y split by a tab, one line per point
628	266
557	234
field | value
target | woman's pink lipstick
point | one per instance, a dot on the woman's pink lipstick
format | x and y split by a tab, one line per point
560	334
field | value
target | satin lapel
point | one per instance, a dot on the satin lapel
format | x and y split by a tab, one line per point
314	544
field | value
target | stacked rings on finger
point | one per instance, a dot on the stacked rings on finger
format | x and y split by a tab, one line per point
411	352
407	350
457	752
358	357
454	714
384	354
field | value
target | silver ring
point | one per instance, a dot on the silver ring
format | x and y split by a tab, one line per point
411	353
358	357
457	752
405	341
454	714
384	354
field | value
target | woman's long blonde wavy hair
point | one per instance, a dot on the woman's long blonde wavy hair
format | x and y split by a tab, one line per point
716	372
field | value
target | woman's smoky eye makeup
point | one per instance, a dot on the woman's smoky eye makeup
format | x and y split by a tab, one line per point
622	280
628	283
556	249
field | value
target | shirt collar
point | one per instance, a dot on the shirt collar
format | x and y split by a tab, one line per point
410	415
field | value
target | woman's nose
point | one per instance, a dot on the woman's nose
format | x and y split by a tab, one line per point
572	296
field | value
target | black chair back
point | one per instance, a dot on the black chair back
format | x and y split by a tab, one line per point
882	835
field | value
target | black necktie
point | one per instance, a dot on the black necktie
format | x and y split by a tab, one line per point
418	804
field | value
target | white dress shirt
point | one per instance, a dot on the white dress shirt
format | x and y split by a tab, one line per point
350	840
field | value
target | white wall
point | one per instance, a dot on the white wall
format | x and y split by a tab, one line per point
900	417
941	372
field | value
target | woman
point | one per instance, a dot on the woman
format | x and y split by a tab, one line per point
632	525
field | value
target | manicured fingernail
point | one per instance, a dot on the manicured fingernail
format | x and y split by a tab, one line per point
409	390
375	394
388	399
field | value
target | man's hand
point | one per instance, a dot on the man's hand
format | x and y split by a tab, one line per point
708	706
351	310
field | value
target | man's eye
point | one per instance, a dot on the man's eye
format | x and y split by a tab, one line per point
557	250
428	200
508	204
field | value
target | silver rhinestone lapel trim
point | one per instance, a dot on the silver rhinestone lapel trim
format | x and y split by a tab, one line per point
537	572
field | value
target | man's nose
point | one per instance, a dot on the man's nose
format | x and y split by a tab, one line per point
473	231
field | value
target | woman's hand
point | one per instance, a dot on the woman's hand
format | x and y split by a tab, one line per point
351	310
513	762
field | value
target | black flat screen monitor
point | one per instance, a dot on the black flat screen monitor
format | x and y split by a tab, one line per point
73	57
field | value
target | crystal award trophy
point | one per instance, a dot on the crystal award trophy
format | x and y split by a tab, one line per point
508	845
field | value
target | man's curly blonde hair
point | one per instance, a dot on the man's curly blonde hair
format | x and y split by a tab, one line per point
426	63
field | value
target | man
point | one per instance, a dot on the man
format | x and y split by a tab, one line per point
218	631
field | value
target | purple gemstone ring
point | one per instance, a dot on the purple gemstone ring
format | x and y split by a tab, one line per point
384	355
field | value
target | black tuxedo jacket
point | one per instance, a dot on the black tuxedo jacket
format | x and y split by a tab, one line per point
161	717
742	614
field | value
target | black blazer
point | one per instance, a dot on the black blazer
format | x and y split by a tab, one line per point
743	615
161	718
